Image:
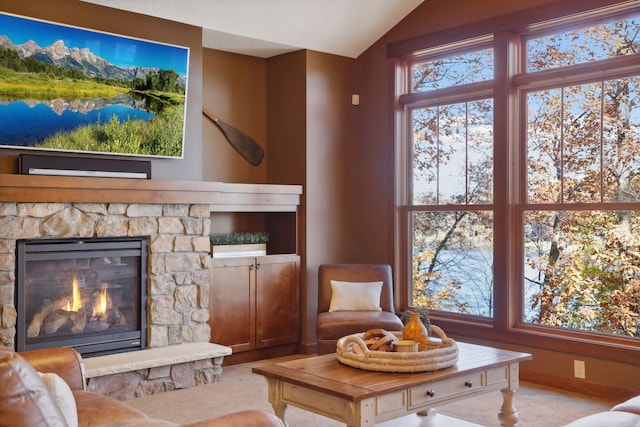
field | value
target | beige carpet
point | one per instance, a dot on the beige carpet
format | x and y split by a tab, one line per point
241	389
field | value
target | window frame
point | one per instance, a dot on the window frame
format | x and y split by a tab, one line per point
433	98
509	89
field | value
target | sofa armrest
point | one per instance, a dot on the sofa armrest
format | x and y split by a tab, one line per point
632	405
63	361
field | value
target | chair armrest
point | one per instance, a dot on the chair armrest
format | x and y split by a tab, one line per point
65	362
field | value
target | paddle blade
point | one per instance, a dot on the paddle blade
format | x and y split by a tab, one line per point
250	150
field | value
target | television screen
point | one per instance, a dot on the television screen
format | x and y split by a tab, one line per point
71	89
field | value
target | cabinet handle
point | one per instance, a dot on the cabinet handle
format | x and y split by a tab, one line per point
468	383
251	267
431	393
258	266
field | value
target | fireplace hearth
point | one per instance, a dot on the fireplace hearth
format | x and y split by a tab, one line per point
89	294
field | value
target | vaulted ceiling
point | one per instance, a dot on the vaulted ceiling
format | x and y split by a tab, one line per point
266	28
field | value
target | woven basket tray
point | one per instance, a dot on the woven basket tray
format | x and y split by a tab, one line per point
439	354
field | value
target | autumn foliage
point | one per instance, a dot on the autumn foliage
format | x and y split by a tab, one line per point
579	212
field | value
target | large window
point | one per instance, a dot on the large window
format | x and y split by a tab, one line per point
451	155
521	177
581	226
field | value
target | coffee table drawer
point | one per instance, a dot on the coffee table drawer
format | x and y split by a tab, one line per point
433	392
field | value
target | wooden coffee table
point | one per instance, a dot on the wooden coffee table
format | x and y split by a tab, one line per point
322	385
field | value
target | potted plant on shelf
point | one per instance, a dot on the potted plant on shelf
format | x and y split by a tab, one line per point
239	244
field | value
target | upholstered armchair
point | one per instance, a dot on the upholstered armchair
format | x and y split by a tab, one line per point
353	298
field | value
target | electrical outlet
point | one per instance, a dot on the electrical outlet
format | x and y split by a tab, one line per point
579	369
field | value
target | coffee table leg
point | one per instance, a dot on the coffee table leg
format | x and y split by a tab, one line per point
508	414
362	414
274	392
280	409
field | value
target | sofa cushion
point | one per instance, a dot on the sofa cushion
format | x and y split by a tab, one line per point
24	398
61	394
337	324
632	405
355	296
611	418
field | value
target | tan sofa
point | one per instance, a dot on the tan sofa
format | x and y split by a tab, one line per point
626	414
26	401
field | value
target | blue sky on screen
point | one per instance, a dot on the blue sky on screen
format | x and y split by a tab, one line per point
121	51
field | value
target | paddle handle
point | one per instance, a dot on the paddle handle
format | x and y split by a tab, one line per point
250	150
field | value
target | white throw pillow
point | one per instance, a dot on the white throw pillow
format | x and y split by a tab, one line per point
355	296
62	395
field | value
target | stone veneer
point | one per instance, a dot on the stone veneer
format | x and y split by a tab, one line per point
178	287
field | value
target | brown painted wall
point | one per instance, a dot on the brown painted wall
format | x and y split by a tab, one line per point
330	185
287	118
235	90
287	135
311	124
85	15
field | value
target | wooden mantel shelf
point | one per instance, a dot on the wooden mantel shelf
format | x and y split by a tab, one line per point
221	196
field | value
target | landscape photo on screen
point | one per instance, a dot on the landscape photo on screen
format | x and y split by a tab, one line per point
65	88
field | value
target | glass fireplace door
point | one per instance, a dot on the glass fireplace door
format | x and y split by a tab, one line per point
89	294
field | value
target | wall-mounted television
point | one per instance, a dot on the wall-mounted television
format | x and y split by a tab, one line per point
71	89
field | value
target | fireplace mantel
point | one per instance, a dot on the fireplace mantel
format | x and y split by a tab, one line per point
220	196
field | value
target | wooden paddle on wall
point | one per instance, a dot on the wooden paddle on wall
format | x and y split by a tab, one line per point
250	150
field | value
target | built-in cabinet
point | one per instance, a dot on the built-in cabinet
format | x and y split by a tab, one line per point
255	302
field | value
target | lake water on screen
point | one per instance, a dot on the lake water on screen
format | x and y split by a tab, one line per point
28	123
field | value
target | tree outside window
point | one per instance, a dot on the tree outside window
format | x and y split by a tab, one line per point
576	207
451	221
581	238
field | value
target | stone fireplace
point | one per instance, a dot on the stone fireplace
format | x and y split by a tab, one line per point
175	219
178	280
178	256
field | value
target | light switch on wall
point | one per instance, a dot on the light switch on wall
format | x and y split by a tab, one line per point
579	369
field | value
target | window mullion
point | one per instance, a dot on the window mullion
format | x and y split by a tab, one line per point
466	153
438	143
561	148
601	137
505	171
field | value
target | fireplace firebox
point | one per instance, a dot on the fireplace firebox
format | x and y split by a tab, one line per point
89	294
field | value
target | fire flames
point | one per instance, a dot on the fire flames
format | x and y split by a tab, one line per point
76	301
83	310
99	307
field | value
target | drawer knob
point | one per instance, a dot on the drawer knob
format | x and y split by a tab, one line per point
468	383
431	393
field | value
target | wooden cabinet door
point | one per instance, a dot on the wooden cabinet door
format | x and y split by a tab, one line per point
232	303
277	300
